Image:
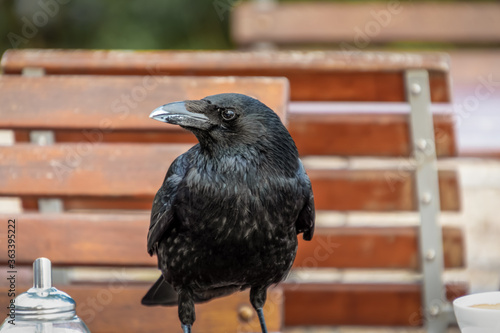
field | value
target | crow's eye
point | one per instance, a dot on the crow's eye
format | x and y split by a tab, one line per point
227	114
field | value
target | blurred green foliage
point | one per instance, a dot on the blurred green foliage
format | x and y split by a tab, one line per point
115	24
118	24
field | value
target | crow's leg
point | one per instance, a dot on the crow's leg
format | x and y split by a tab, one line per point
262	321
258	298
186	309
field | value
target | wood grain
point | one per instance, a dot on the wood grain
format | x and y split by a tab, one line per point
154	62
115	308
313	76
87	239
331	304
373	247
350	134
362	24
361	134
98	171
104	103
104	307
376	190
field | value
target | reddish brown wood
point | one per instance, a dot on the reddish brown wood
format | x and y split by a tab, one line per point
378	190
314	134
89	173
357	134
96	172
331	304
373	247
104	307
83	239
358	25
99	239
157	62
313	76
116	307
363	134
86	169
100	105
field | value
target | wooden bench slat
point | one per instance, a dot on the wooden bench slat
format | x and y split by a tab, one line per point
358	134
376	190
116	308
120	240
56	61
357	304
104	307
373	247
352	134
86	170
313	76
106	103
343	190
360	24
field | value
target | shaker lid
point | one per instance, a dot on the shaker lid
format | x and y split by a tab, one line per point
43	301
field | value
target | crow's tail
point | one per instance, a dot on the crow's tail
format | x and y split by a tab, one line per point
161	293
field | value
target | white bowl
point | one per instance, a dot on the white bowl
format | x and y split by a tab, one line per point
474	320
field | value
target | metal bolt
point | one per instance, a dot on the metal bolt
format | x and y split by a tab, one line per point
422	144
430	255
434	310
426	198
245	313
416	89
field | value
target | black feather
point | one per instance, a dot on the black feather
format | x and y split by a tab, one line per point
161	293
227	215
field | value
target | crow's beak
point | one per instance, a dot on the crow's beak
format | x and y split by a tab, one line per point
177	114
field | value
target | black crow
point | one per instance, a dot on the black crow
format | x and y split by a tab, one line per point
227	215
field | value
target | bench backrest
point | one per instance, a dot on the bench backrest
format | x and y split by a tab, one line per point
103	190
88	146
356	26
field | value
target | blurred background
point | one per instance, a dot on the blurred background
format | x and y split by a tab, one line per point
190	24
155	24
177	24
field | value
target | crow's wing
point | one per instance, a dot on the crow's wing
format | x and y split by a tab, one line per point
162	214
305	221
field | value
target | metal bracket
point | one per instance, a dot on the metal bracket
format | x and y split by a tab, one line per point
33	71
50	205
42	138
437	310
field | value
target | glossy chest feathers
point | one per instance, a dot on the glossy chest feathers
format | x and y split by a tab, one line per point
243	199
245	223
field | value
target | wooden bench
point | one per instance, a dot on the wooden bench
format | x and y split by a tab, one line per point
123	161
88	178
357	26
468	30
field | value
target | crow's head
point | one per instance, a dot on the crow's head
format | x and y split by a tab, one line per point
225	120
